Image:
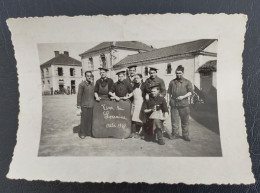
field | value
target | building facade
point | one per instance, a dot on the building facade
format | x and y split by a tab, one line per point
107	54
191	55
61	74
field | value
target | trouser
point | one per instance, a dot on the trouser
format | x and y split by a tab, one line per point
154	126
184	114
86	121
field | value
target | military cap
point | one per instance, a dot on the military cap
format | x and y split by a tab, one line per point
132	66
120	72
180	68
103	68
156	84
152	68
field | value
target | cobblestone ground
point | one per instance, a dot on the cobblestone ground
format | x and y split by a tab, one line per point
58	139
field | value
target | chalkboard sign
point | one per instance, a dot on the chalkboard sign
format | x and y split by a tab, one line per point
112	119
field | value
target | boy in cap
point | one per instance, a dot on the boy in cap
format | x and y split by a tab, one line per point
154	79
121	89
179	91
103	85
156	110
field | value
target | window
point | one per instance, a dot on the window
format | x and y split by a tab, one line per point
43	82
47	72
81	72
72	72
127	72
146	72
48	81
60	71
42	73
103	60
169	68
91	64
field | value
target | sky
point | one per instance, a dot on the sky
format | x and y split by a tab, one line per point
46	50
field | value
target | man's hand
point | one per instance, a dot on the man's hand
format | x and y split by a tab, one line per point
117	98
124	98
147	97
78	107
180	98
98	99
148	110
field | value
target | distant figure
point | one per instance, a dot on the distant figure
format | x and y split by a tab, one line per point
154	79
103	85
157	112
85	101
138	116
179	91
121	90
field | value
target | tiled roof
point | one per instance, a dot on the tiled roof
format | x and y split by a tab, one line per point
175	50
208	66
119	44
61	59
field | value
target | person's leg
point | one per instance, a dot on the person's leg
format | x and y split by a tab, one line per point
149	130
158	130
83	123
185	116
89	116
175	121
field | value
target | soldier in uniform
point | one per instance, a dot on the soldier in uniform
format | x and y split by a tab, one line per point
85	101
103	85
153	79
156	111
121	89
179	91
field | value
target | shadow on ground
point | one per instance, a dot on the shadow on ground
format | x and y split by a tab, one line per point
206	115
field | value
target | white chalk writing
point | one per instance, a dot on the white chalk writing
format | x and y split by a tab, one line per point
108	116
107	108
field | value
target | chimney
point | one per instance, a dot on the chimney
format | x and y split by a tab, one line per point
66	53
56	53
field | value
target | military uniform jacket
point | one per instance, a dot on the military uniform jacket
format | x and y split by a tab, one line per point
150	82
179	88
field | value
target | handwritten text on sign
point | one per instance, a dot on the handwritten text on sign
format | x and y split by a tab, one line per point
115	120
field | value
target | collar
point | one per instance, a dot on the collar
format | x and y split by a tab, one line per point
179	80
103	79
119	82
156	97
155	79
131	78
88	83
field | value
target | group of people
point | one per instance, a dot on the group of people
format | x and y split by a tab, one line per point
149	108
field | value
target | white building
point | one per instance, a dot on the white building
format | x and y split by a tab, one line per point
197	57
107	54
61	73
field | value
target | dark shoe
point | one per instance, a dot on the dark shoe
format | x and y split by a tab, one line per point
176	136
137	136
161	142
186	138
82	136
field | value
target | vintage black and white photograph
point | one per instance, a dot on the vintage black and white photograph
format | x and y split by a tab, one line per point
130	98
137	98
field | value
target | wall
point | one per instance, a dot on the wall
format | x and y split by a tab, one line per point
213	47
187	63
54	78
111	58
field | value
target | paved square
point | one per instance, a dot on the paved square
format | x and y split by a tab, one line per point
57	137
